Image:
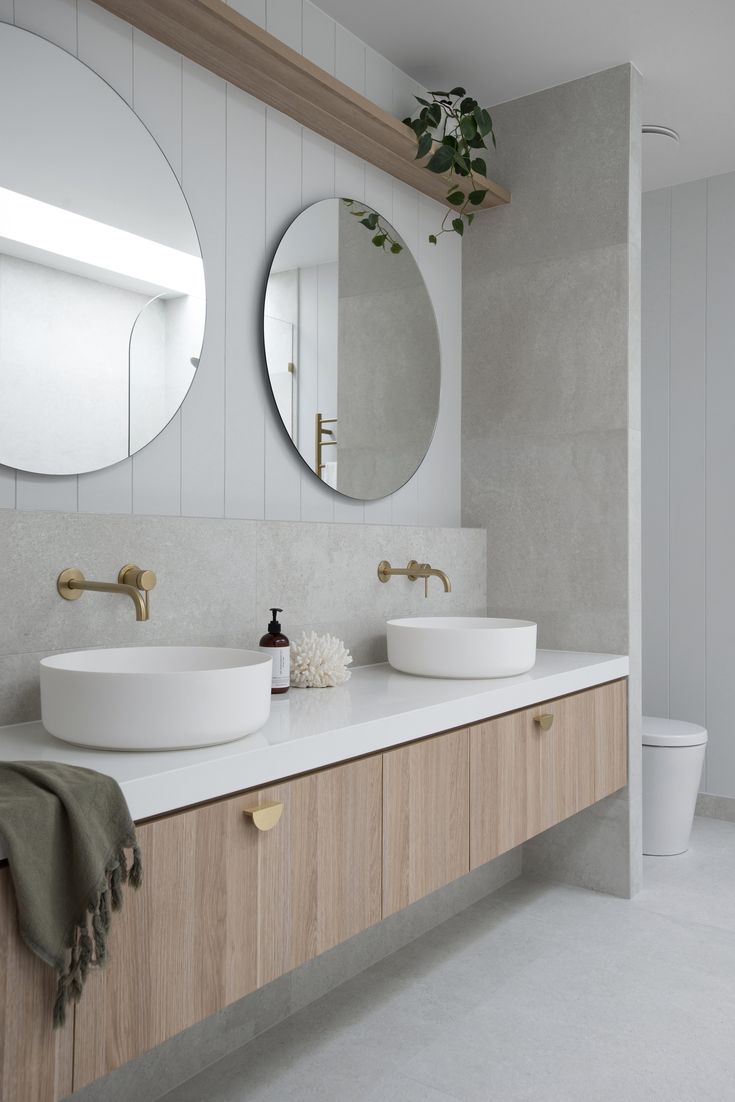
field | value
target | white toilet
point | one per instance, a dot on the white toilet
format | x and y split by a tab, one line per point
673	756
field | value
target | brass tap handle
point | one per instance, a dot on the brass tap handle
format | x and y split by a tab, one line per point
144	580
544	721
264	816
413	570
130	574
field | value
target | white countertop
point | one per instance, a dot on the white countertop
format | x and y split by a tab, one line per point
312	728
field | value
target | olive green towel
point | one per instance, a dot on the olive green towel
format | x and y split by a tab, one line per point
65	831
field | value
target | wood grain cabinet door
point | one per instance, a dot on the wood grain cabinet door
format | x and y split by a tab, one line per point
319	869
425	817
182	947
526	778
226	907
35	1060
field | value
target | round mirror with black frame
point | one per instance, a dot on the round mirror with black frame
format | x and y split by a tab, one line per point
352	349
102	296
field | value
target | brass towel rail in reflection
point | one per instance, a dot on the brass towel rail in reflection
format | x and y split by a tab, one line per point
320	433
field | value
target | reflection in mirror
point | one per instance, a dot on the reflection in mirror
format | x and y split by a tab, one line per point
352	350
161	366
101	278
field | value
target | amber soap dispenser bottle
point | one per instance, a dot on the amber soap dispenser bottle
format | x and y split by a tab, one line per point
277	645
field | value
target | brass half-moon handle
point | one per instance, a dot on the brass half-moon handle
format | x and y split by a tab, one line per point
544	721
265	816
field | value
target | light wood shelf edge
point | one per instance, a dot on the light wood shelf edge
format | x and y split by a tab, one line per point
238	50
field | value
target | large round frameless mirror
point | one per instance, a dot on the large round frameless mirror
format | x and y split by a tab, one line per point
352	349
101	278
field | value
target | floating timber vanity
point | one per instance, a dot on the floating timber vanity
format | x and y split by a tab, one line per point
351	804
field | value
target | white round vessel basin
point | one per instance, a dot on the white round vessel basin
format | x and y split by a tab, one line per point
461	646
155	698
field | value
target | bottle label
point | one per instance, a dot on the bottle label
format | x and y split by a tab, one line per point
281	665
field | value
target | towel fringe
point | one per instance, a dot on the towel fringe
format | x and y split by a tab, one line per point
90	949
136	870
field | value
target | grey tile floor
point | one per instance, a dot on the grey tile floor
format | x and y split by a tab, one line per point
539	993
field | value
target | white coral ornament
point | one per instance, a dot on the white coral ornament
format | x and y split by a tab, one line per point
319	662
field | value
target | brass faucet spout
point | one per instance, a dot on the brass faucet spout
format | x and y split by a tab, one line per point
413	572
132	582
136	596
443	579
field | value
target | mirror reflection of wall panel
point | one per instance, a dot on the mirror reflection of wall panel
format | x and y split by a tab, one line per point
367	347
101	278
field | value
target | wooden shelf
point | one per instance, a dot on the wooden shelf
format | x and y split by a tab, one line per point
238	50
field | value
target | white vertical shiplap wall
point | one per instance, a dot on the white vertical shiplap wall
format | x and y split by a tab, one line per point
689	462
247	171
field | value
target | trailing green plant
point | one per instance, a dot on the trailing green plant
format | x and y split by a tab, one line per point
450	130
384	236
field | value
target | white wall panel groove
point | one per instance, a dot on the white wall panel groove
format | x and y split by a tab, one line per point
688	462
246	171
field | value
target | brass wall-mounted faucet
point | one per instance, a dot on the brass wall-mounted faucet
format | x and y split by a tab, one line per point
413	572
131	581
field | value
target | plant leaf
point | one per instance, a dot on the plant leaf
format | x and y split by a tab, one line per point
396	248
456	198
467	106
379	239
476	197
468	127
478	165
458	226
460	164
435	114
457	92
483	120
432	239
441	159
424	146
425	102
470	218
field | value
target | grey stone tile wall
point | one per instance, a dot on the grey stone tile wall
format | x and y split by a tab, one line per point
216	581
551	409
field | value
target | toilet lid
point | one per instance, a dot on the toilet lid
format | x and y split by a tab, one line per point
672	732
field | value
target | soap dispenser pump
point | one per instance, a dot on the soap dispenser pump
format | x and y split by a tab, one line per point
278	646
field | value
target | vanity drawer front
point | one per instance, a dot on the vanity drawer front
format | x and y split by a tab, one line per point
526	777
226	907
425	818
